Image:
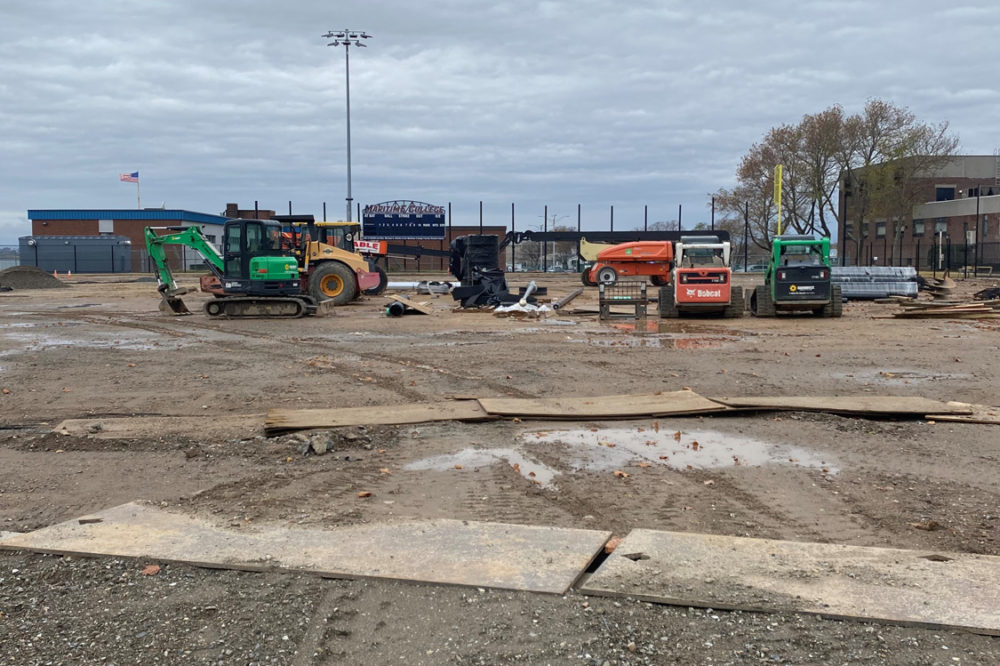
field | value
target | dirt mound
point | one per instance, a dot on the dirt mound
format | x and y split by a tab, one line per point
28	277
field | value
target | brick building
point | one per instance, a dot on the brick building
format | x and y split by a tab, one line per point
959	206
130	223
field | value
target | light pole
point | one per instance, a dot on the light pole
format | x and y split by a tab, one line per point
347	39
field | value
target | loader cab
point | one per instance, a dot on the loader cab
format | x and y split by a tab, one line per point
338	234
255	261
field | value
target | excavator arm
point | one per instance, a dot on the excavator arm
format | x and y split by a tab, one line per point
191	237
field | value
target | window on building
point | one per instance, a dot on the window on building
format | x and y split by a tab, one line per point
880	230
945	193
940	225
918	228
105	226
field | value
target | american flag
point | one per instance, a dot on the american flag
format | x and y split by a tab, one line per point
129	177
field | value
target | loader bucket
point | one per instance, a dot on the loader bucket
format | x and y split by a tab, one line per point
173	304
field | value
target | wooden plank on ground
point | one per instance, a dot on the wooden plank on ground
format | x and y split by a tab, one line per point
979	414
425	308
286	420
954	590
607	406
217	426
515	557
860	405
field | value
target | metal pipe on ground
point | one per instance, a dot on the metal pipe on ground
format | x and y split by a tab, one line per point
566	299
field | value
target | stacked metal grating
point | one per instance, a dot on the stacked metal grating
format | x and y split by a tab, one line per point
869	282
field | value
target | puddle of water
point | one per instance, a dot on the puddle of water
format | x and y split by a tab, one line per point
474	458
28	324
41	342
612	448
691	329
658	341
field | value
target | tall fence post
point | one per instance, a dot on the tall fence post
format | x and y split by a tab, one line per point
513	263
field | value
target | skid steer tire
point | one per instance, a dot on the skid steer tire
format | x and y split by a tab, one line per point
668	309
333	281
737	304
835	308
761	303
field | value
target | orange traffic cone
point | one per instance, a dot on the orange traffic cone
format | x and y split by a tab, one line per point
55	274
69	274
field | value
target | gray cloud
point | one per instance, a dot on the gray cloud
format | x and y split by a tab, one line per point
556	103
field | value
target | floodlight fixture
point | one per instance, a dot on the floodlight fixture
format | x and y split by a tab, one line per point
347	39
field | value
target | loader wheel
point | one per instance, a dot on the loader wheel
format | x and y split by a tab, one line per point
761	303
607	275
668	309
737	303
383	281
659	280
333	281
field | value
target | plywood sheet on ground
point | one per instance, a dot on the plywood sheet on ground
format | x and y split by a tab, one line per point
221	426
515	557
603	407
424	308
871	404
978	414
284	420
900	586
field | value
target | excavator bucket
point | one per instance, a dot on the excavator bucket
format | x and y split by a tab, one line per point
173	304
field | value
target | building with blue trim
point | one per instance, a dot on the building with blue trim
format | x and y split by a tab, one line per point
128	222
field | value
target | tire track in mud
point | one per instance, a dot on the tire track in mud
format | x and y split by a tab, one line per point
290	349
794	509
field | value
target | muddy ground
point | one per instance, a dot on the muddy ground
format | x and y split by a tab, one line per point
101	349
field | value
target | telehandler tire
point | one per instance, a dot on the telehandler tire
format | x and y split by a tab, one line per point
607	275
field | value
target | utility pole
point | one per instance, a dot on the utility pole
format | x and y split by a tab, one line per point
347	39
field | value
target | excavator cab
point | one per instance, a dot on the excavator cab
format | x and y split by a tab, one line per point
255	260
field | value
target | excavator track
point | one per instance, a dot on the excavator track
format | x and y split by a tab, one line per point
231	307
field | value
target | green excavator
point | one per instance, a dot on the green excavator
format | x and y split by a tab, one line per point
256	275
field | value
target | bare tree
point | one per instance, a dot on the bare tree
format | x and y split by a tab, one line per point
874	155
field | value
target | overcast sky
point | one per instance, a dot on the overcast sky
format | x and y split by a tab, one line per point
559	102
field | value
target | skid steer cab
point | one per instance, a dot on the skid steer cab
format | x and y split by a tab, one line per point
798	279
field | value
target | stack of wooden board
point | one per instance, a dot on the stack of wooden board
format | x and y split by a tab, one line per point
950	310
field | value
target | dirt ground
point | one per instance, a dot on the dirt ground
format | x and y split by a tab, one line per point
100	349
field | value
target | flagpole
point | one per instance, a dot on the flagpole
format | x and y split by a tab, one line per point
138	196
